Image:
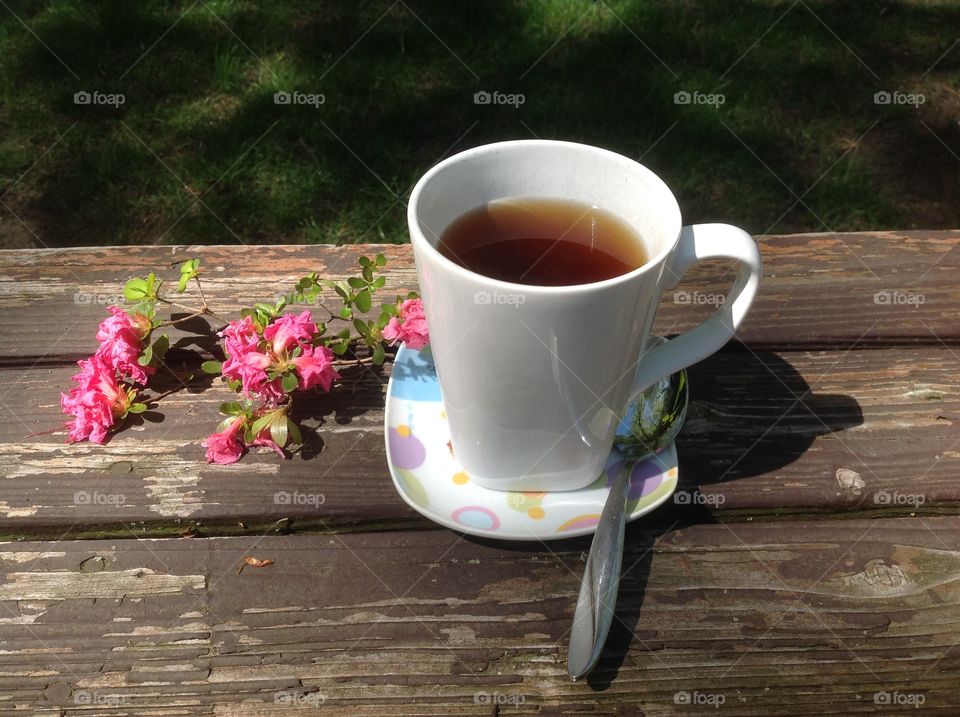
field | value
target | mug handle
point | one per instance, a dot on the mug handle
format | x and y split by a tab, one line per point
704	241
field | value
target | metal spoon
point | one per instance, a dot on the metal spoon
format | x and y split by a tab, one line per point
650	425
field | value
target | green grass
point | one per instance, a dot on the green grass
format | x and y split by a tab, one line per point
200	153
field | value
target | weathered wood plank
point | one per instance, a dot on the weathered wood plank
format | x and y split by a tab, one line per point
819	289
876	431
788	618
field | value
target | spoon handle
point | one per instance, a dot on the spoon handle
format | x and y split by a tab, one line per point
601	582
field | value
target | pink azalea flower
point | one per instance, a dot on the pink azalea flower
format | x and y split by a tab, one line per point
272	392
240	336
121	341
249	366
226	446
315	366
290	329
410	327
95	402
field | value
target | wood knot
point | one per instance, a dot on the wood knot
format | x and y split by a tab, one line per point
878	577
849	481
93	564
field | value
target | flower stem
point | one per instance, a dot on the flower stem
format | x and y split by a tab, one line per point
174	322
205	310
200	289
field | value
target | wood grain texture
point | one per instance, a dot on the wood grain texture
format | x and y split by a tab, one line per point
837	403
768	434
789	619
818	290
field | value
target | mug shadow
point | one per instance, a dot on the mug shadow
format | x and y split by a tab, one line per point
751	413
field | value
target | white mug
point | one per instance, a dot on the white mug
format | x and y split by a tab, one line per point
535	378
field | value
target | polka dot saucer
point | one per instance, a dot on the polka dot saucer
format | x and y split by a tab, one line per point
429	479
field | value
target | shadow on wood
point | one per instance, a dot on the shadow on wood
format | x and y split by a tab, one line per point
760	417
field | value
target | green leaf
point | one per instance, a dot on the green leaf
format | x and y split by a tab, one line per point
379	282
391	309
231	408
135	289
383	319
344	334
261	423
340	349
342	292
211	366
143	307
146	357
361	327
379	354
413	295
234	384
363	261
137	408
182	284
381	259
356	282
294	430
289	382
364	301
266	309
346	312
367	274
278	432
161	346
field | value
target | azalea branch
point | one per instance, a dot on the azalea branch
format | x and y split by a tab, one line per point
271	355
200	289
174	322
202	311
356	362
